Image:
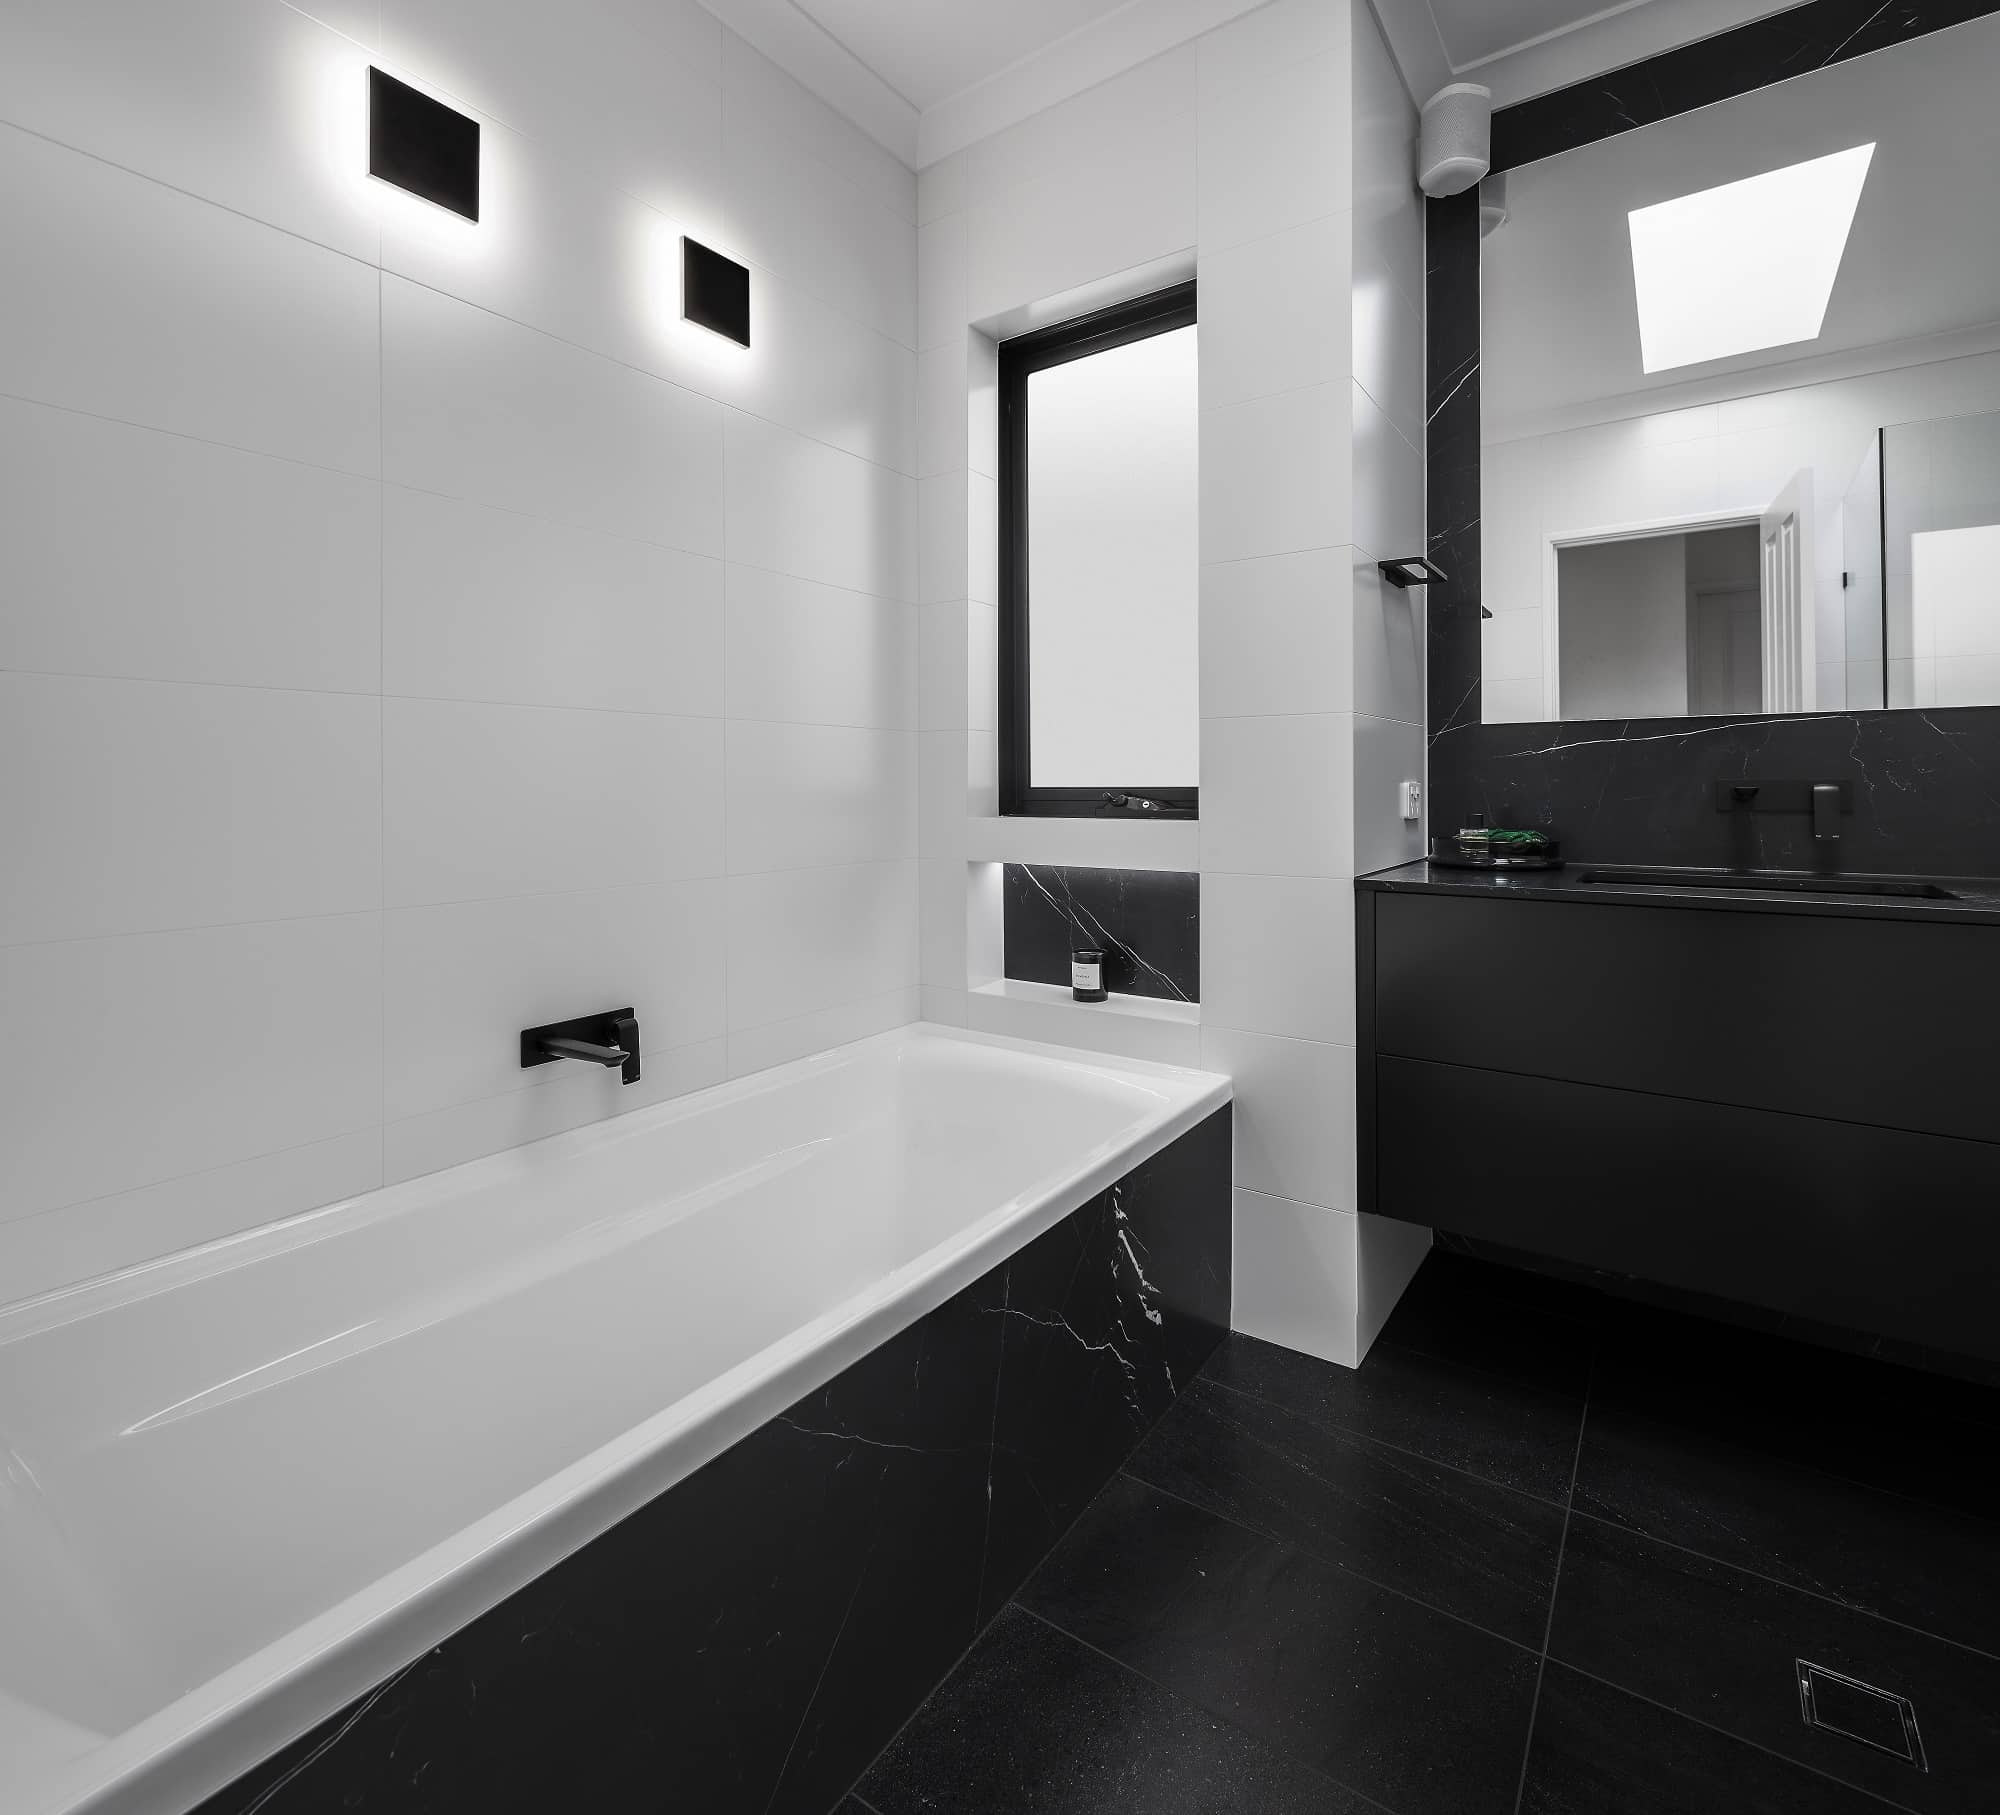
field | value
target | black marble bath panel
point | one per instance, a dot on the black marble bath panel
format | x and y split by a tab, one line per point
1147	922
1925	784
748	1641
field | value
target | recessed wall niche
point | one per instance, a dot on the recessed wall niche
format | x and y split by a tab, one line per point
1146	922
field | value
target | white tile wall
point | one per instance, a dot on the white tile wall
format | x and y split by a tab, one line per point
410	623
1278	148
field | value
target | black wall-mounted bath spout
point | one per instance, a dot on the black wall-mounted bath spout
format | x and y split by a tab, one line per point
608	1040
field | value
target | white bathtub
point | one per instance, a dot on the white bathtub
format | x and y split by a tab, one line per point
244	1484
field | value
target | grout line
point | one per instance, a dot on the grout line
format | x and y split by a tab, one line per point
1345	1430
1263	1741
1694	1720
1346	1569
1757	1575
1555	1588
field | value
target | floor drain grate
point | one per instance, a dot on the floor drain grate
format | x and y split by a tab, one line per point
1859	1711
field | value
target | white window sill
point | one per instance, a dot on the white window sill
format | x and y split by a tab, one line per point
1098	844
1137	1008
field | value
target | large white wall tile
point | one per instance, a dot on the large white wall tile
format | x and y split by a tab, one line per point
481	800
1275	147
1148	110
1274	635
812	226
464	979
1277	795
175	92
1388	210
1276	313
802	796
941	283
206	1047
802	940
806	653
1387	753
136	806
1296	1277
576	1096
1277	473
641	84
1127	208
1388	485
1277	955
802	508
779	1042
80	1241
1294	1113
480	408
149	306
135	553
755	88
484	604
1388	632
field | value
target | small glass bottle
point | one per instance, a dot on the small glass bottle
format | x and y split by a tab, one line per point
1086	974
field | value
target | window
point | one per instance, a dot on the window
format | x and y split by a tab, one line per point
1099	563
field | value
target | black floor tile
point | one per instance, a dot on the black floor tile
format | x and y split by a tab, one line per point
1518	1434
1905	1559
1887	1427
1597	1750
1485	1553
1719	1645
1386	1696
1032	1723
1480	1315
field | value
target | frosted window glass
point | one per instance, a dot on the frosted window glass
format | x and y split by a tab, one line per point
1113	571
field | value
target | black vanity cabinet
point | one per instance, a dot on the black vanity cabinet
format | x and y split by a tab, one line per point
1790	1103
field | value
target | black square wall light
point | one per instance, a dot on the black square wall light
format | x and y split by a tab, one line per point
715	292
422	145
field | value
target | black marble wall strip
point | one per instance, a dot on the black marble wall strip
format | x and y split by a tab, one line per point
747	1642
1787	44
1148	923
1926	784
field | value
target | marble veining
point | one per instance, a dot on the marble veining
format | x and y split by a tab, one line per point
1926	784
745	1643
1147	922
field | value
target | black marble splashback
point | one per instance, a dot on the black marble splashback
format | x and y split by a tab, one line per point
747	1642
1926	784
1148	923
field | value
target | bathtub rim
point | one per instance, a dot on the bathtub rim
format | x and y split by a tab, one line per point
205	1739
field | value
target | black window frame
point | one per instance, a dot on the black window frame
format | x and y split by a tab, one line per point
1099	332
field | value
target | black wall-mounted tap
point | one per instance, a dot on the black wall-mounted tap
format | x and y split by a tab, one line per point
1825	801
608	1040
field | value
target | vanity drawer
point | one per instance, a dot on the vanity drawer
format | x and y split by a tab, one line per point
1894	1022
1868	1228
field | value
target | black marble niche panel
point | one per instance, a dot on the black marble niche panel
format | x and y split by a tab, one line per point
1926	783
1148	923
748	1641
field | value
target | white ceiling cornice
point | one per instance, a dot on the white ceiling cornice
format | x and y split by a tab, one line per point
1082	59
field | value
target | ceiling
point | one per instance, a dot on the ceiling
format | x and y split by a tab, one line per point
1923	258
926	77
929	51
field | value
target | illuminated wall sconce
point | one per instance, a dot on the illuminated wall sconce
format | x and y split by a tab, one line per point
715	292
422	145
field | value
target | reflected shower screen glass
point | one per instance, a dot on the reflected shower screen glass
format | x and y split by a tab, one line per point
1113	567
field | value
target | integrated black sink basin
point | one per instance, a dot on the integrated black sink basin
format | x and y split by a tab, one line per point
1765	881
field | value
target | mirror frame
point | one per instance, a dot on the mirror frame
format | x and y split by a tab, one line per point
1640	790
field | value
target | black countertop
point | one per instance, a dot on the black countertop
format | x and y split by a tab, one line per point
1975	900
